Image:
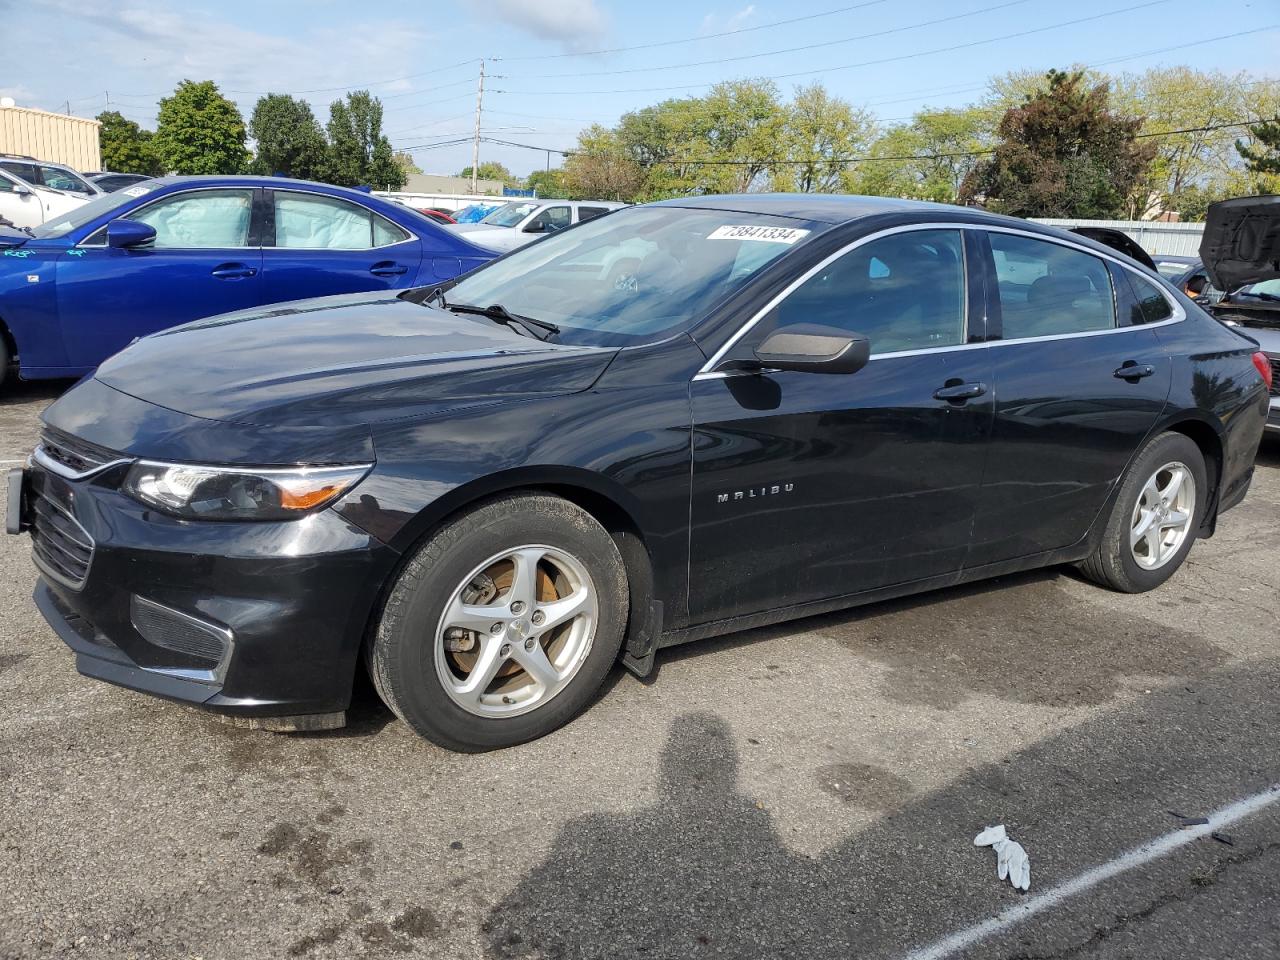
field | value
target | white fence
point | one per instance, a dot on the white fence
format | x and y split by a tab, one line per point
1156	237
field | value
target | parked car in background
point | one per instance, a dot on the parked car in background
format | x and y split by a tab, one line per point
50	176
26	205
1239	250
1172	267
1195	283
486	492
111	182
522	221
174	249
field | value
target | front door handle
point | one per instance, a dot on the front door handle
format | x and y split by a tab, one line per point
1133	371
234	271
388	268
959	392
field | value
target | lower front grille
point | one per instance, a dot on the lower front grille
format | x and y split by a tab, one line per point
180	632
62	548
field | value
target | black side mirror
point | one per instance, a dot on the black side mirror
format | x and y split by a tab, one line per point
536	226
811	348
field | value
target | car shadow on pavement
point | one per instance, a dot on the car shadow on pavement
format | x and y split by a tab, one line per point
15	391
704	871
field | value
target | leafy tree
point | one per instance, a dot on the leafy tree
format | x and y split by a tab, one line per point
404	161
1062	153
199	131
818	132
1263	156
359	152
490	170
548	183
290	141
126	147
927	159
600	169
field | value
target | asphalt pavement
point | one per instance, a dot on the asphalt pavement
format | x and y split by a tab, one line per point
810	790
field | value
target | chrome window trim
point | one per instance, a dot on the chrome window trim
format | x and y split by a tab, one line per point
48	463
707	371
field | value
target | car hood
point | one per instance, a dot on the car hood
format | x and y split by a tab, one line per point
1241	242
358	358
1117	240
11	237
493	237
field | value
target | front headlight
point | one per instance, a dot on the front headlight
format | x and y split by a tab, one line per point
238	493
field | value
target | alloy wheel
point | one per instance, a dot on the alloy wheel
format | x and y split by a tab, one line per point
1163	515
516	631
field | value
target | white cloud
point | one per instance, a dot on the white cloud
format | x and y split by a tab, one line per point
714	23
575	25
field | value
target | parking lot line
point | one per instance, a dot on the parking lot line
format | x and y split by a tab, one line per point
1136	857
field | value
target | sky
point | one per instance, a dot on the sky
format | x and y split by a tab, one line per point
555	66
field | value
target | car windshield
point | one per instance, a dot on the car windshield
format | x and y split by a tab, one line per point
90	211
510	214
1266	290
634	276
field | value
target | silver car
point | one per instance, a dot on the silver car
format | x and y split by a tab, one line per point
522	221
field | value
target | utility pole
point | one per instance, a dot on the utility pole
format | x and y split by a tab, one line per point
475	144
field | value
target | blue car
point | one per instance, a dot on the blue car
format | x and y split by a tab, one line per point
78	288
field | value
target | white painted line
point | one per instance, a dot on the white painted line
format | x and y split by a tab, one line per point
1137	857
7	462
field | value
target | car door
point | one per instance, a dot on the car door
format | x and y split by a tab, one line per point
809	486
204	261
1068	419
19	204
317	245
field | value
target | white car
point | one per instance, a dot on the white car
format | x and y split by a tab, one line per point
26	205
522	221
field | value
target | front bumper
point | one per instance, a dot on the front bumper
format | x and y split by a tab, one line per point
287	602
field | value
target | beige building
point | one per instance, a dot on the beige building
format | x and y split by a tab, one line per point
433	183
54	137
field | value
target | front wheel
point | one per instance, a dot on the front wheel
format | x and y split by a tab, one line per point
1154	519
503	625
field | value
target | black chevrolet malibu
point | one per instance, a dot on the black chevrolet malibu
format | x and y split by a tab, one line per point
673	422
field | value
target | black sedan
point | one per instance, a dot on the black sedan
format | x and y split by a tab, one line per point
673	422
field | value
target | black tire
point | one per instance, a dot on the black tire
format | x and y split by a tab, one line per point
1112	563
401	654
6	361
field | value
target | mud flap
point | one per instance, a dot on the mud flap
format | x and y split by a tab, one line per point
642	644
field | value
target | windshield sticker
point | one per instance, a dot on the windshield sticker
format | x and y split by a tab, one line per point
767	234
138	191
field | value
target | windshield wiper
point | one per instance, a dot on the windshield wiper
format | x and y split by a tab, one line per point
1261	295
538	329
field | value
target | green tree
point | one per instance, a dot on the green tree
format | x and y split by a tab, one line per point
404	161
548	183
1062	153
927	159
199	131
1263	155
289	139
818	132
359	153
491	170
126	147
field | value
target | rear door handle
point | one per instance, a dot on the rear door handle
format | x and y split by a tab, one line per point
959	392
234	271
388	268
1133	371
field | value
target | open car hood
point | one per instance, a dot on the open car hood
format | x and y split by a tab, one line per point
1117	240
1241	243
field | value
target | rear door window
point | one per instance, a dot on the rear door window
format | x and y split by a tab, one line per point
313	222
590	213
1048	289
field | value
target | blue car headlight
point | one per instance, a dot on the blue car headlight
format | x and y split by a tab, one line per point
197	492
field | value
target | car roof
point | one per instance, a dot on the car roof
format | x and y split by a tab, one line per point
246	180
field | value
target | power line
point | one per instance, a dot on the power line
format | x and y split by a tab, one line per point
698	38
869	63
773	53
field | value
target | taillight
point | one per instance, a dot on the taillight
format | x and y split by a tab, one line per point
1263	363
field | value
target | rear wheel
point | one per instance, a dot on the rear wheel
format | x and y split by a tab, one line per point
1154	520
503	625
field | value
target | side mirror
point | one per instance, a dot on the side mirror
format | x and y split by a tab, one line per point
1196	285
22	190
810	348
536	226
125	234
